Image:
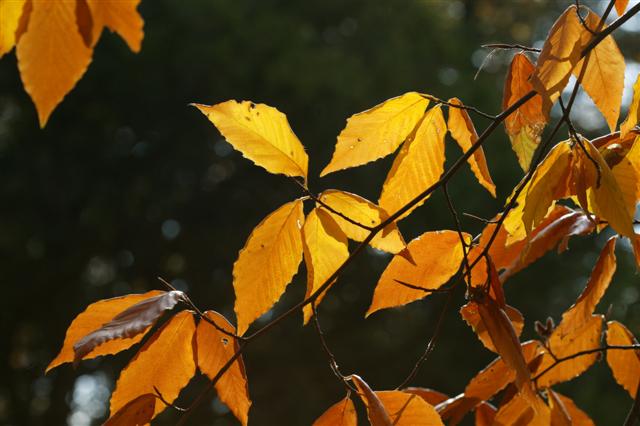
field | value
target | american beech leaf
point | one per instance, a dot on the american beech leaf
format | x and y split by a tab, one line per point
625	364
464	133
519	411
325	249
261	133
472	317
377	132
408	409
137	412
95	316
633	116
376	411
578	417
10	13
214	350
559	414
267	263
132	321
342	413
120	16
526	124
621	6
418	165
433	397
436	258
485	414
363	212
165	362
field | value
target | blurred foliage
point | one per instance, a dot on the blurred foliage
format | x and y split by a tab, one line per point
127	182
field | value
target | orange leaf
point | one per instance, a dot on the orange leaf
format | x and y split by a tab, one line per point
559	414
526	124
137	412
10	12
407	409
325	249
621	6
363	212
94	317
267	263
418	165
633	116
472	317
462	130
134	320
165	362
433	397
119	16
214	350
436	258
518	411
625	364
376	412
485	414
342	413
46	74
578	417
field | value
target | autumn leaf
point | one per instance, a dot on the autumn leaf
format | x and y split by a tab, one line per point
603	79
621	6
120	16
462	130
342	413
214	350
485	414
526	124
432	396
261	133
376	412
137	412
559	414
472	317
625	364
166	362
633	116
418	165
578	417
560	53
267	263
134	320
436	258
518	411
325	249
407	409
377	132
10	12
95	316
362	212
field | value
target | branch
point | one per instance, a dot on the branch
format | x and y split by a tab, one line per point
506	46
460	106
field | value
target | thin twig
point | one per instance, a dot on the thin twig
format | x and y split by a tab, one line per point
459	106
167	403
478	218
506	46
634	412
458	225
424	289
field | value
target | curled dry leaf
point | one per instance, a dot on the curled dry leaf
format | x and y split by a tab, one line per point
436	258
625	364
137	412
132	321
472	317
165	362
342	413
262	134
214	350
267	263
96	315
376	412
377	132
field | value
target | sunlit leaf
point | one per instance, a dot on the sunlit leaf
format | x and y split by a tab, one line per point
578	417
10	13
165	362
407	409
633	116
376	412
267	263
621	6
433	397
261	133
519	411
377	132
342	413
559	414
214	350
137	412
472	317
625	364
436	258
120	16
325	249
462	130
418	165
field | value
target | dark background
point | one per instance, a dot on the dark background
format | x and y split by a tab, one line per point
127	183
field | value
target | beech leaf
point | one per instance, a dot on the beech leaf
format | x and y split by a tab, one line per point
342	413
376	412
625	364
120	16
633	116
472	317
137	412
408	409
11	12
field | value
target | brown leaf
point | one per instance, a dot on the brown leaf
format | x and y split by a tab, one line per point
137	412
342	413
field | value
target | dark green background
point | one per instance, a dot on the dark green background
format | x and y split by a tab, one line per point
83	202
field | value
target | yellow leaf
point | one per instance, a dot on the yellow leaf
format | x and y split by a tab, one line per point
342	413
526	124
436	258
560	53
119	16
407	409
214	349
472	317
261	133
137	412
377	132
633	116
165	362
621	6
267	263
325	249
604	77
10	14
376	412
462	130
625	364
364	212
47	74
93	318
418	165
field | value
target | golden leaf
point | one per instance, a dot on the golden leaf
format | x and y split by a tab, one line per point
376	412
471	316
10	13
407	409
625	364
578	417
342	413
120	16
137	412
633	116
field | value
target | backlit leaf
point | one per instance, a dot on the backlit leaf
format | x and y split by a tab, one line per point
363	212
407	409
625	364
433	397
10	13
633	116
342	413
436	258
261	133
518	411
526	124
418	165
462	130
559	414
120	16
485	414
621	6
472	317
578	417
214	350
137	412
96	315
376	412
325	249
267	263
377	132
165	362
